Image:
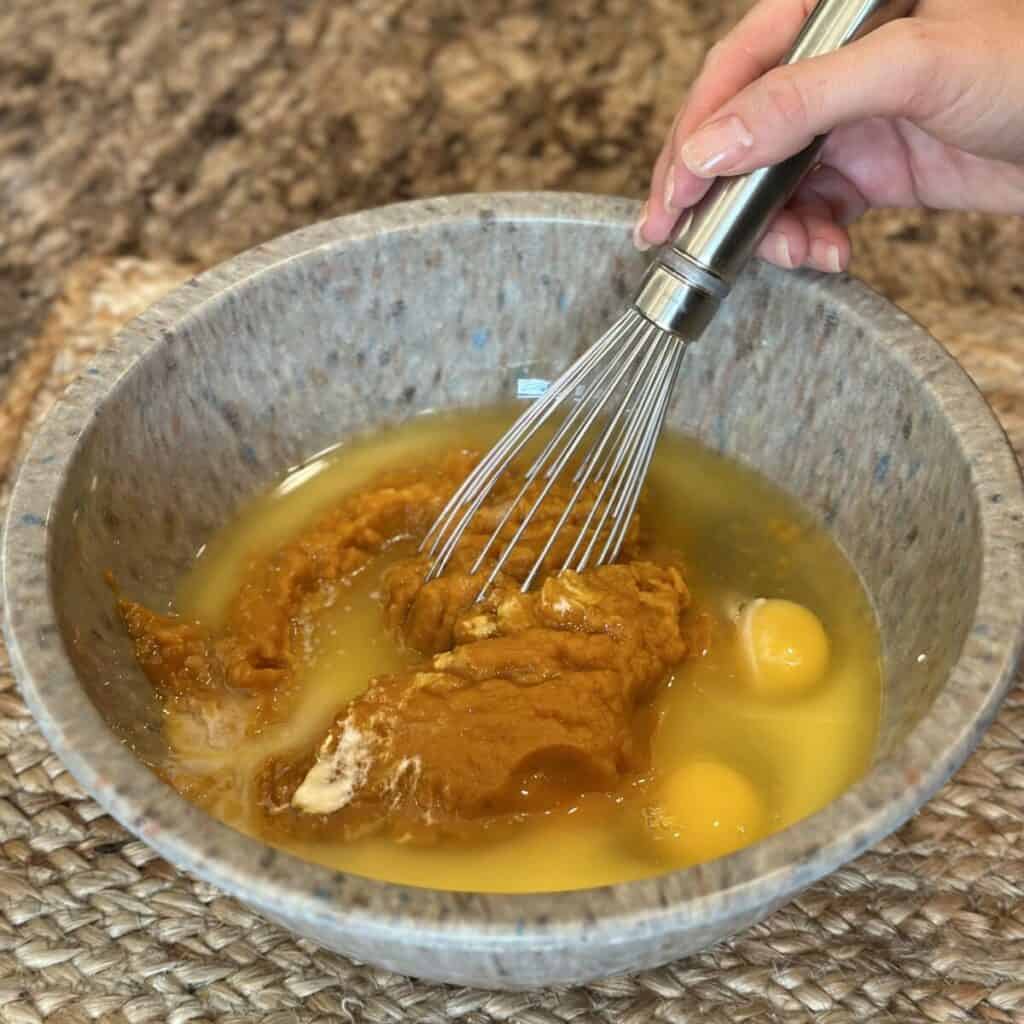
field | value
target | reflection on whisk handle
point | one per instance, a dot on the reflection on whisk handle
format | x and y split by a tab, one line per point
716	237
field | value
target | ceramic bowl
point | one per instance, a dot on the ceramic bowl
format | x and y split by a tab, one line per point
211	395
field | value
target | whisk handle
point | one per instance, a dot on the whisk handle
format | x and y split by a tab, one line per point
716	237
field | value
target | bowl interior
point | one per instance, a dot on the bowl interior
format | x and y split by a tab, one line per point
792	378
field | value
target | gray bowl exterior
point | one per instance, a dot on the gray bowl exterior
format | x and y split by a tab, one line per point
251	368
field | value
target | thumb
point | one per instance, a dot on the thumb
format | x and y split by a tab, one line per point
899	70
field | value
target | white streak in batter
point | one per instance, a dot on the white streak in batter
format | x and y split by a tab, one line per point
337	775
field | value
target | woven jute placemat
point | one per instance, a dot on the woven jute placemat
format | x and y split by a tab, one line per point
94	926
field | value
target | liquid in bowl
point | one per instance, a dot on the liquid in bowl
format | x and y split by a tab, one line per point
735	754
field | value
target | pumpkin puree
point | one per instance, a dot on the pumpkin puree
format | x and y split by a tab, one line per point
515	705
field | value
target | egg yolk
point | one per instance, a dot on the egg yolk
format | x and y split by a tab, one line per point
705	810
784	645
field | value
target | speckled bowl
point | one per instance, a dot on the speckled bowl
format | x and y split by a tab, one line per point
208	397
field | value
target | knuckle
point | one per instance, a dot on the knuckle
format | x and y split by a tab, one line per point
717	51
917	38
920	52
784	98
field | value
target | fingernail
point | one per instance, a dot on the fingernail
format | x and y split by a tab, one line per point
826	256
670	187
777	244
716	146
639	241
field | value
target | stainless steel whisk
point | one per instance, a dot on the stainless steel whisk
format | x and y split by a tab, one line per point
614	398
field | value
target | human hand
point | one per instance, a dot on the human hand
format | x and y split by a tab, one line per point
924	111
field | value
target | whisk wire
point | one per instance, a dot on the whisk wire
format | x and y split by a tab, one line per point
596	389
585	472
616	479
587	413
480	482
613	402
614	423
638	472
498	458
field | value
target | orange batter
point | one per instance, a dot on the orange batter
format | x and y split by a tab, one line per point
516	705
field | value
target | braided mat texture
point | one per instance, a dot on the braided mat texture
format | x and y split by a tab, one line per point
929	926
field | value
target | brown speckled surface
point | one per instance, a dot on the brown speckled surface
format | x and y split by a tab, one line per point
119	135
192	129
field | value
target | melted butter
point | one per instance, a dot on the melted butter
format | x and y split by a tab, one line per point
740	538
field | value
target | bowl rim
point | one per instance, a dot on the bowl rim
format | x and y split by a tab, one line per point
288	888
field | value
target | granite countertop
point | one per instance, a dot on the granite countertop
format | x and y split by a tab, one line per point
139	141
191	129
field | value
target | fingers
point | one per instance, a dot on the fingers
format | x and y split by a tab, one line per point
802	236
799	241
655	223
842	200
811	231
828	247
757	43
890	72
786	243
779	111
